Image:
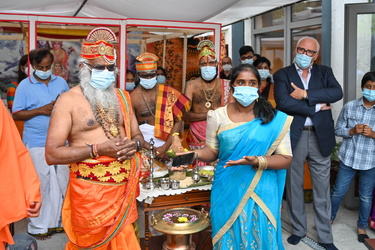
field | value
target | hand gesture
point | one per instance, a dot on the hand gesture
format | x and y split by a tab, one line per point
367	131
47	109
246	160
121	149
34	209
298	93
324	106
357	129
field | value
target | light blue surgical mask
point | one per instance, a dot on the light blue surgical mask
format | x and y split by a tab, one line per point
303	61
245	95
148	83
43	74
369	94
161	79
130	86
102	79
249	61
264	73
208	72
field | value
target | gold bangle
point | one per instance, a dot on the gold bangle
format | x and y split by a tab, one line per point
175	133
262	162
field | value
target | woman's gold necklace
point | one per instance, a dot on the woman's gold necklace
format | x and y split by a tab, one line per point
209	100
235	107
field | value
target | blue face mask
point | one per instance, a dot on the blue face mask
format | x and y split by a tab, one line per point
208	72
249	61
303	61
245	95
264	73
102	79
130	86
148	83
43	74
161	79
369	94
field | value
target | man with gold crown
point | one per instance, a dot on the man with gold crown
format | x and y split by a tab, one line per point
206	92
159	108
104	139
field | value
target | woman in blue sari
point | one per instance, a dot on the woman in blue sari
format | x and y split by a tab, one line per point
251	140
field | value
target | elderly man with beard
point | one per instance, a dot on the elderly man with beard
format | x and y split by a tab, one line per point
205	93
98	121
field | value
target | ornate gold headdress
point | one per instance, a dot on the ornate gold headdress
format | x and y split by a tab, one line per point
100	43
207	48
146	62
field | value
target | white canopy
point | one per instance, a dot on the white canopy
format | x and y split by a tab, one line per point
217	11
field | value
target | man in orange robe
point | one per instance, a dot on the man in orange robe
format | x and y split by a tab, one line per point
19	183
104	139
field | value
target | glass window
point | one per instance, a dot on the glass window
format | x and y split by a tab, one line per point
273	49
365	47
268	19
306	10
313	31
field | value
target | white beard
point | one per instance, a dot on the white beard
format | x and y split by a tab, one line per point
105	98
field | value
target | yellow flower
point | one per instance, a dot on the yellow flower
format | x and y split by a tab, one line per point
99	170
182	219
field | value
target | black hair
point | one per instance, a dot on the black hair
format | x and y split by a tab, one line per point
246	49
135	76
262	60
262	108
21	73
162	69
257	56
369	76
39	54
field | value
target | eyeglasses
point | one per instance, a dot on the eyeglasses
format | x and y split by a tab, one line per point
246	57
111	67
307	51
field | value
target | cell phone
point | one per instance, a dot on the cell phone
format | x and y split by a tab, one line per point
185	159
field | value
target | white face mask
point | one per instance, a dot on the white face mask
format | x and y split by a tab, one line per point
227	67
148	83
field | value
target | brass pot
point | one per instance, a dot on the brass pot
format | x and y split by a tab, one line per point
179	235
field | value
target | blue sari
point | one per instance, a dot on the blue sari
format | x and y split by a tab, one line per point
245	204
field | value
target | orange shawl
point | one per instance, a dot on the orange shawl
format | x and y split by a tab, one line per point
99	215
19	183
170	105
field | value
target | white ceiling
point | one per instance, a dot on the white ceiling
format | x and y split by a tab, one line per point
217	11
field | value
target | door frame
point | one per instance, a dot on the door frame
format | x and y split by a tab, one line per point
350	46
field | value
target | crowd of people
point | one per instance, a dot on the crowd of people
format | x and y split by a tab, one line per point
80	155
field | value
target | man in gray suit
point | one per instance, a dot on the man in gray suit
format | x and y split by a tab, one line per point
305	91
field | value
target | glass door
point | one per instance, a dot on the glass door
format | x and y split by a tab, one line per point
359	47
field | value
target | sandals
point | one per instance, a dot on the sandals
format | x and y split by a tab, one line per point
362	237
43	236
48	235
56	230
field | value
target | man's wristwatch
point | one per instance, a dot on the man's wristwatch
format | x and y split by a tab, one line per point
138	144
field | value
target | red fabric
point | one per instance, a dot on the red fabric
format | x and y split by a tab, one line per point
19	183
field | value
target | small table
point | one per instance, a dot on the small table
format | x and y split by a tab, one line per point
184	198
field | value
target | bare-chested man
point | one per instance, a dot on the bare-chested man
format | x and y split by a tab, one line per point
158	107
98	121
206	93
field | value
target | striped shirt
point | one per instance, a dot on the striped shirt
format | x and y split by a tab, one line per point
10	94
356	151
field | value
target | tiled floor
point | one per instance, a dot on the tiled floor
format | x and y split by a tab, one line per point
344	233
